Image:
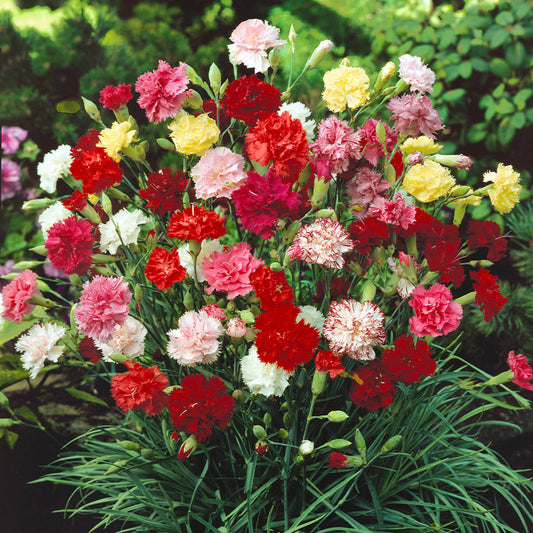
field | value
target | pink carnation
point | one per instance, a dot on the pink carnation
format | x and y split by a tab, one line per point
16	294
393	211
230	270
162	91
419	76
435	311
414	114
236	328
323	242
103	304
371	145
11	138
522	372
10	179
215	311
364	189
218	173
250	41
337	145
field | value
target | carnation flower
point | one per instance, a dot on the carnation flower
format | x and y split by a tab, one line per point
323	242
414	114
199	405
114	97
337	460
55	165
12	136
279	139
250	41
103	304
443	255
193	135
506	191
16	296
371	145
488	293
10	179
164	268
95	169
435	311
164	191
271	287
236	328
373	386
486	233
122	228
368	233
345	86
52	215
194	266
195	223
127	339
261	202
428	182
140	388
77	201
263	378
413	71
299	111
218	174
422	144
337	145
522	372
408	362
366	187
40	344
196	339
354	328
162	91
114	139
393	212
215	311
248	99
69	244
230	270
327	361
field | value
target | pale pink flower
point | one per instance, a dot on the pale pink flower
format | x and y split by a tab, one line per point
218	173
12	136
354	328
38	345
103	304
127	339
215	311
337	145
419	76
250	41
196	340
393	211
367	185
236	328
162	91
414	114
16	296
322	243
10	179
415	158
522	372
436	313
230	270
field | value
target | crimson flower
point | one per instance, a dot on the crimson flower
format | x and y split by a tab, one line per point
77	201
113	97
164	191
443	257
210	107
486	233
86	142
373	386
488	294
368	233
95	169
271	287
88	350
195	223
164	268
337	460
327	361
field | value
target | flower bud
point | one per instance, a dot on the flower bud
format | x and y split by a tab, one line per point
400	87
385	74
337	416
192	100
119	358
138	293
276	267
466	299
129	445
381	134
283	433
106	205
369	291
360	444
261	447
147	453
415	158
267	419
238	396
116	466
247	316
6	422
259	432
215	78
273	58
355	461
500	379
292	36
187	448
23	265
102	259
328	212
306	447
193	77
236	328
319	53
320	190
319	382
38	203
391	443
481	263
165	144
457	160
188	301
338	444
285	96
287	419
91	110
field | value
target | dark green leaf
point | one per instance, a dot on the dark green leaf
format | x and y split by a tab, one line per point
515	54
505	132
485	101
68	106
518	120
500	67
25	412
477	133
85	396
446	37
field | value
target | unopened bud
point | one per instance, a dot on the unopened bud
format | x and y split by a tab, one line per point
259	432
193	77
360	444
369	292
91	110
138	293
23	265
287	419
193	100
165	144
319	382
338	444
481	263
267	419
215	78
319	53
391	443
337	416
320	190
292	36
400	87
147	453
328	212
415	158
116	466
458	160
306	447
106	205
129	445
188	301
273	58
500	379
276	266
118	358
384	76
187	448
261	447
247	316
38	203
381	134
238	396
283	433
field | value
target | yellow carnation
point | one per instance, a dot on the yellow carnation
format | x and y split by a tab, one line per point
114	139
428	182
506	192
422	144
193	135
345	86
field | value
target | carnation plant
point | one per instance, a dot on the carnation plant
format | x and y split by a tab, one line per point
277	315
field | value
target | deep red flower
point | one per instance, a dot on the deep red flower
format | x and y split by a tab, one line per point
140	388
282	340
70	245
113	97
326	361
86	142
271	287
373	386
248	99
397	163
443	257
486	233
77	201
338	288
195	223
488	294
88	350
95	169
210	107
199	405
165	191
279	139
164	268
408	362
368	233
423	226
337	460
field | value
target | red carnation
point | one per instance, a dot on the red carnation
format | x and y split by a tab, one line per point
165	191
368	233
140	388
195	223
443	257
338	288
373	386
407	362
164	268
95	169
488	294
248	99
279	139
271	287
486	233
69	244
326	361
200	404
86	142
282	340
77	201
113	97
337	460
88	350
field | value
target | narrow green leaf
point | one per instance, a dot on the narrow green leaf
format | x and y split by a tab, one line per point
25	412
11	438
85	396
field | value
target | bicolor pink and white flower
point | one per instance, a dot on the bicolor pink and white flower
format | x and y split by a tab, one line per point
236	328
127	339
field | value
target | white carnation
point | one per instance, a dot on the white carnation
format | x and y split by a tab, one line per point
299	111
121	228
311	316
55	213
127	339
55	164
263	378
187	261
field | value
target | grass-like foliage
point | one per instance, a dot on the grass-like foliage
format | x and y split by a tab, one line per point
422	468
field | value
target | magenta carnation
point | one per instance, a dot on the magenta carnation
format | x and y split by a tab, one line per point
414	114
103	304
10	179
393	212
162	91
15	296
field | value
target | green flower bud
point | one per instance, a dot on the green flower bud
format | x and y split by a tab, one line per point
238	396
91	110
337	416
319	53
215	78
391	443
276	267
267	419
319	382
369	292
259	432
147	453
360	444
287	418
338	444
273	58
283	433
38	203
247	316
165	144
106	205
188	301
320	190
129	445
119	358
6	422
116	466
